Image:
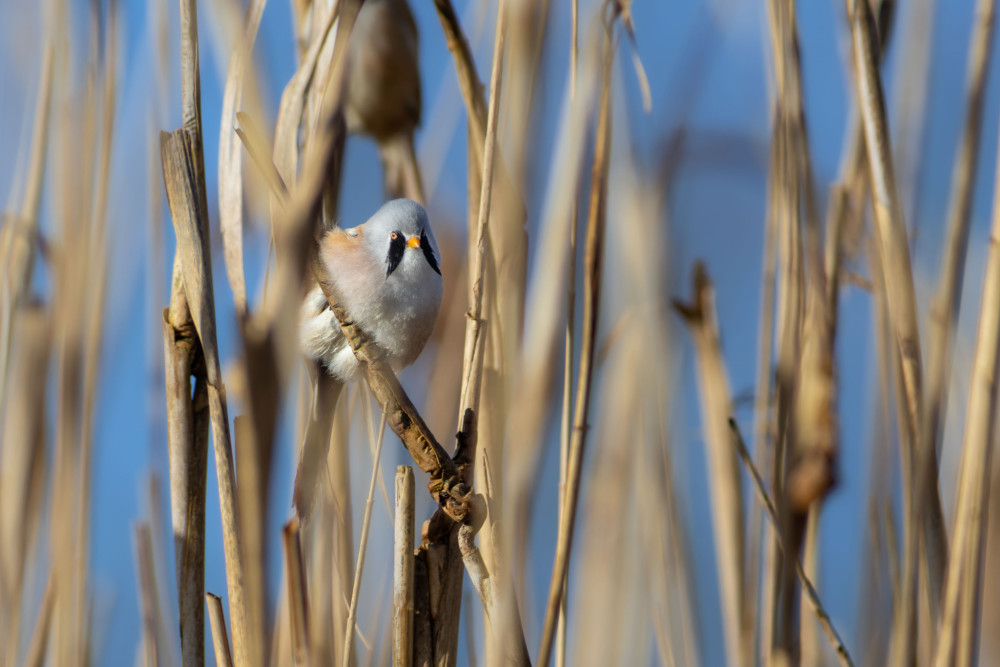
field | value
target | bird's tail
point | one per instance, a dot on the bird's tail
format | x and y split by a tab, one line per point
312	456
402	174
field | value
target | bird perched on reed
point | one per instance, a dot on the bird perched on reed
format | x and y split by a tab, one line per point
383	94
387	275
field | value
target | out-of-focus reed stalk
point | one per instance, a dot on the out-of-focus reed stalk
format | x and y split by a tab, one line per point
724	478
806	449
231	157
18	237
809	590
22	469
894	252
148	599
362	548
593	264
754	624
298	593
947	302
958	643
472	366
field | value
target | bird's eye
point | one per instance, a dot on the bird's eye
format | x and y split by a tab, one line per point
393	236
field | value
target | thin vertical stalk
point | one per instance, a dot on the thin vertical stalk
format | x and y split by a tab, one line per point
959	639
472	366
947	302
352	613
593	264
402	570
893	245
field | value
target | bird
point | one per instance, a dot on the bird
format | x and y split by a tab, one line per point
383	94
386	273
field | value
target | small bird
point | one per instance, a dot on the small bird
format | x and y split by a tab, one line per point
387	275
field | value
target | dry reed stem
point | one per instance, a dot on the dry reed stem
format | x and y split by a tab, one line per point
187	439
959	639
593	264
468	79
894	251
298	593
402	570
286	146
22	462
948	299
724	480
947	302
566	424
809	643
253	442
567	398
809	590
255	142
231	158
220	642
166	624
762	419
478	574
446	485
19	235
39	643
183	171
148	601
184	178
96	267
472	367
362	547
423	650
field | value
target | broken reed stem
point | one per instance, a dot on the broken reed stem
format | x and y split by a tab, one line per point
724	477
473	359
217	617
593	263
187	440
959	631
184	178
402	570
808	589
352	614
478	574
298	592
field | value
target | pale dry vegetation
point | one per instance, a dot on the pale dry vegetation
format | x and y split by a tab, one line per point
578	351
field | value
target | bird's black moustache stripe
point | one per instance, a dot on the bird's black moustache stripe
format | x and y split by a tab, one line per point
397	246
425	245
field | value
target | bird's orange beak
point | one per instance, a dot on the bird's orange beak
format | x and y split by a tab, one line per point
413	242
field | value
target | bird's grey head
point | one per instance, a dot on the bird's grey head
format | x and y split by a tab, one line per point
400	234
